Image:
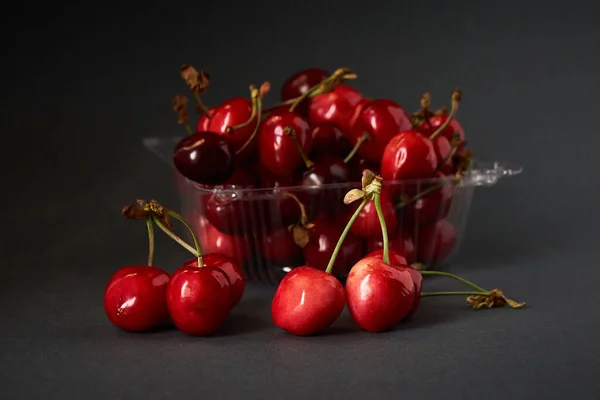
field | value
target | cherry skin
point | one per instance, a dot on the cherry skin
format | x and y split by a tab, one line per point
234	273
323	238
435	242
267	179
399	261
204	121
135	298
443	149
427	129
199	299
307	301
431	207
367	223
242	178
408	155
379	295
300	82
194	152
358	165
232	112
328	138
215	241
336	106
381	119
277	150
400	241
279	246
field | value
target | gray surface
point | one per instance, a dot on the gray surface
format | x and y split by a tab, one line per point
83	89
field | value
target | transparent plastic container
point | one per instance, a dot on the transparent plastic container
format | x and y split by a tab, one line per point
253	226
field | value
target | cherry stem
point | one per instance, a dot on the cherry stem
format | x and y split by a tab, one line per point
254	96
189	228
426	192
173	236
150	241
339	75
256	113
384	233
338	246
303	214
433	294
365	136
455	277
200	106
455	143
456	96
284	103
289	131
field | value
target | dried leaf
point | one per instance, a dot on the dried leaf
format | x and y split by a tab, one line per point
135	211
301	236
367	177
197	81
264	89
495	298
353	195
180	107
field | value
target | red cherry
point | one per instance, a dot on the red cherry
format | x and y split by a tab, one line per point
443	150
328	138
300	82
307	301
427	129
233	112
194	152
232	270
203	121
323	238
336	106
398	260
400	241
431	207
395	258
381	119
367	224
277	150
215	241
199	299
435	242
379	295
267	179
135	298
279	246
358	165
242	178
408	155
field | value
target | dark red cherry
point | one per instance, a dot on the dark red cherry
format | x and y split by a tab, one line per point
268	180
438	120
367	223
203	121
435	242
431	207
277	149
231	113
232	270
400	241
337	106
323	238
135	298
328	138
242	178
205	157
279	246
381	119
300	82
358	165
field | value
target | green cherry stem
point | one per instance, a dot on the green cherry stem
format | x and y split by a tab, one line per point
455	277
434	294
339	75
174	236
256	113
365	136
426	192
456	97
338	246
386	246
150	241
189	228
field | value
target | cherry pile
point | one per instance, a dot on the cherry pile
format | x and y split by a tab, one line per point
267	183
381	289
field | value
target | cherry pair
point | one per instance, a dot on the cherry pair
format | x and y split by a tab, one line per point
198	296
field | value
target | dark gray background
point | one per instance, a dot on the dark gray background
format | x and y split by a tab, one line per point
83	84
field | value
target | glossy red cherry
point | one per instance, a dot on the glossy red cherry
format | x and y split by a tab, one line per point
431	207
232	270
379	295
300	82
435	242
215	241
408	155
135	298
203	121
400	241
381	119
307	301
329	138
323	238
398	260
277	149
336	106
234	112
195	152
199	299
279	246
436	121
367	224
